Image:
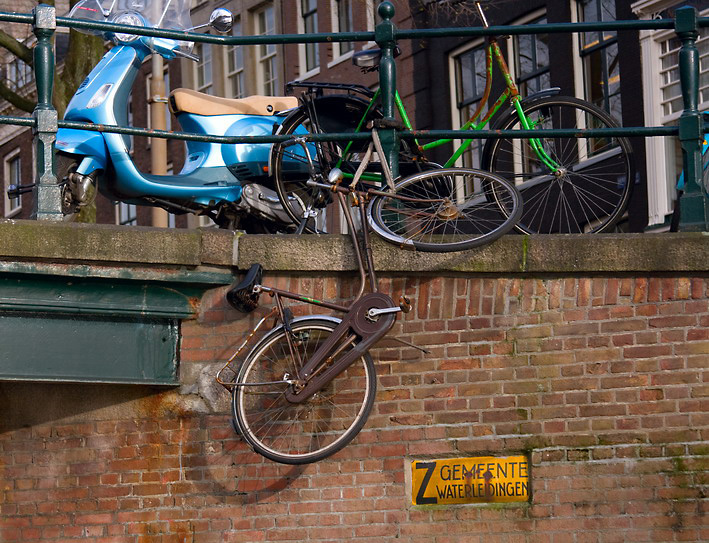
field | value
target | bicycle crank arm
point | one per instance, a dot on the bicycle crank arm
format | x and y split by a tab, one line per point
372	313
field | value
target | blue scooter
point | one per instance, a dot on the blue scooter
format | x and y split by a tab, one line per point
223	182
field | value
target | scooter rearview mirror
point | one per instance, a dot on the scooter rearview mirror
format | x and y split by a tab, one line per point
221	20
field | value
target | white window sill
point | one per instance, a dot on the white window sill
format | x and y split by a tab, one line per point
13	212
340	59
311	73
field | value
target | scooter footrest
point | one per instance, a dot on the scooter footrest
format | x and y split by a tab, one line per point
241	296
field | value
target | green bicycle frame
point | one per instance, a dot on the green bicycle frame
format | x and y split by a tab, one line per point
475	122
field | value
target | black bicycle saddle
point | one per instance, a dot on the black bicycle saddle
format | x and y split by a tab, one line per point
241	295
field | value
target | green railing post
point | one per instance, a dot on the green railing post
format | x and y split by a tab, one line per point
47	193
385	36
691	126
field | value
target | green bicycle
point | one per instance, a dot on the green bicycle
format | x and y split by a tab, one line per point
568	185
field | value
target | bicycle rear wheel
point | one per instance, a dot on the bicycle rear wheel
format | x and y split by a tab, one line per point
446	210
315	429
590	191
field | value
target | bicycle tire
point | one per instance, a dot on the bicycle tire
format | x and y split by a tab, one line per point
591	192
450	209
289	171
300	433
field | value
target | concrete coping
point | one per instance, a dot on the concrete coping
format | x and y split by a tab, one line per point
222	253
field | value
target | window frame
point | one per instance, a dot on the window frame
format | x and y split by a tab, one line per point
660	153
514	58
601	45
200	68
269	58
458	105
303	48
239	72
337	53
13	156
131	214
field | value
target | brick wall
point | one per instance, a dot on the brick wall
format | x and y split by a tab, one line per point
600	380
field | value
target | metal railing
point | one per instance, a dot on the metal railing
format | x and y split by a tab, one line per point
691	127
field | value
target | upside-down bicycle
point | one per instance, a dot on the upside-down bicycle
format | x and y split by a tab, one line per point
305	389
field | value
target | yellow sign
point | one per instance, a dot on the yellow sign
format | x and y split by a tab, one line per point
484	479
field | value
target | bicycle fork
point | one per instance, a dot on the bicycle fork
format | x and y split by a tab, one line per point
535	143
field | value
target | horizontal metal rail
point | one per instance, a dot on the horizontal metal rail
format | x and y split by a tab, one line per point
362	136
324	37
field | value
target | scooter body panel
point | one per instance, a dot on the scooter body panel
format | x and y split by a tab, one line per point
85	144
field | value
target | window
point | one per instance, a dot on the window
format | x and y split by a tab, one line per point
235	66
469	85
599	54
267	71
13	176
532	61
309	56
669	74
342	22
203	68
126	214
18	73
662	102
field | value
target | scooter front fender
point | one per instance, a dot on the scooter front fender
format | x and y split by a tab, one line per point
83	143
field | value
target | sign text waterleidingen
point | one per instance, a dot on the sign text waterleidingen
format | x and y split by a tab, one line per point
483	479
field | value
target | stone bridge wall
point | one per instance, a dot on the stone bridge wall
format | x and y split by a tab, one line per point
588	355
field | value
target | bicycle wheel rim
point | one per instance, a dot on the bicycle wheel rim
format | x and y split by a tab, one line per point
452	210
308	432
590	193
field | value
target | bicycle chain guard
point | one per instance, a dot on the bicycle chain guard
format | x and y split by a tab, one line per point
356	321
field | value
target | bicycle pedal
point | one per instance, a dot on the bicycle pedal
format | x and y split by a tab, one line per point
241	296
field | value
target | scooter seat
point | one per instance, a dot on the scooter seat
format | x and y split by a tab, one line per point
199	103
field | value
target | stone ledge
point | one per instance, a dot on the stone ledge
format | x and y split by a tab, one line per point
107	249
603	253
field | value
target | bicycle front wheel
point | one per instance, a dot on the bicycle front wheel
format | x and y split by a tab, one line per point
451	209
292	433
588	189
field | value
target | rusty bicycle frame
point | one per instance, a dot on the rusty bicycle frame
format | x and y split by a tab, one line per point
369	316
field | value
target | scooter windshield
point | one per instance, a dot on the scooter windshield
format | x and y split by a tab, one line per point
164	14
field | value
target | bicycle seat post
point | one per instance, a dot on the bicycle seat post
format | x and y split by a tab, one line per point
373	285
355	242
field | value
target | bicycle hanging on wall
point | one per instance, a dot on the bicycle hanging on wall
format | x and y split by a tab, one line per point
304	390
